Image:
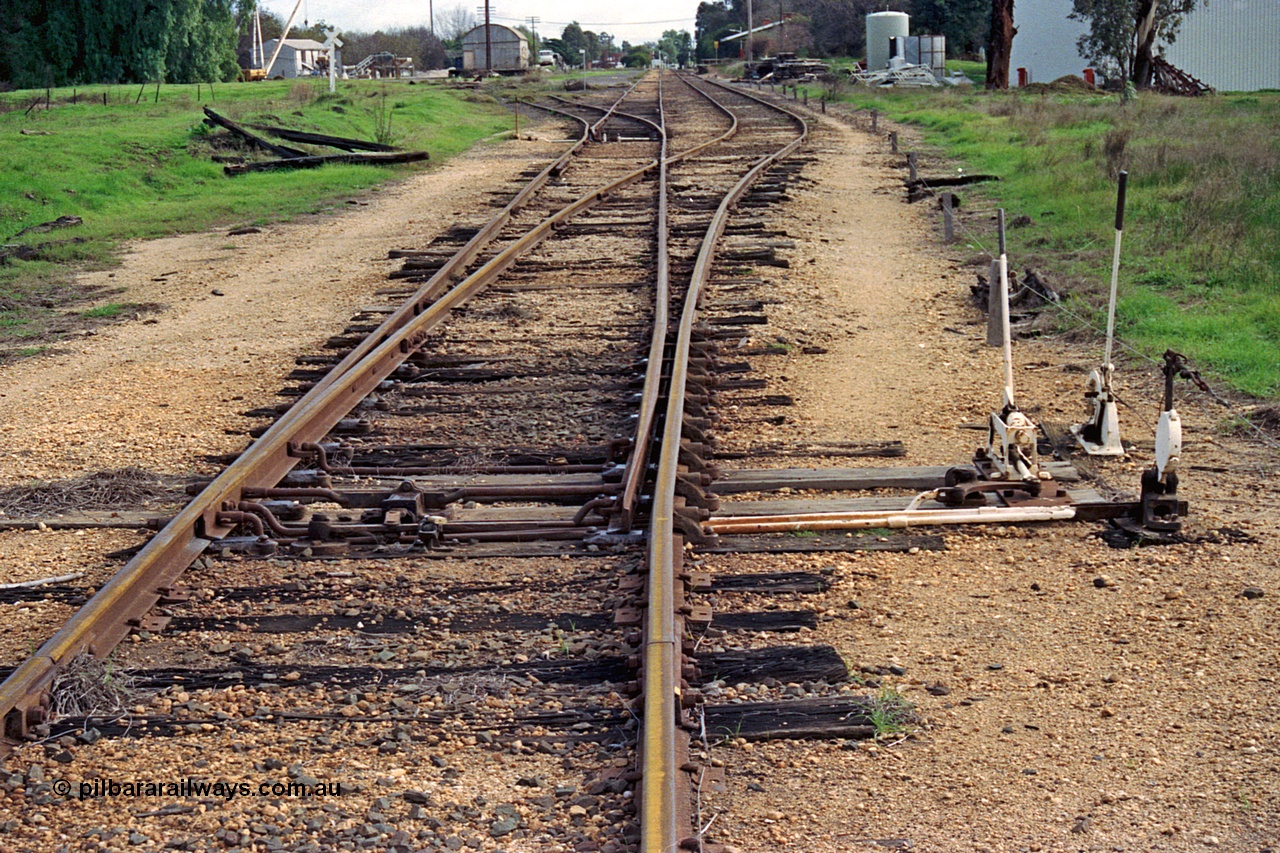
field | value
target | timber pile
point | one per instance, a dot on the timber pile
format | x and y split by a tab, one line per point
294	158
1170	80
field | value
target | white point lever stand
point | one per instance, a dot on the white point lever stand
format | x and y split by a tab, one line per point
1101	435
1007	466
1160	509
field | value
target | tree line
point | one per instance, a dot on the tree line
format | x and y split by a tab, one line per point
63	42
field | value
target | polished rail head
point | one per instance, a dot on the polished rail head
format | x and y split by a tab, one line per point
661	803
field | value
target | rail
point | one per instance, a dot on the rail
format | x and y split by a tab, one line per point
665	815
638	463
125	599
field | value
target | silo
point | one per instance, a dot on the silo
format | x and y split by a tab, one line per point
882	26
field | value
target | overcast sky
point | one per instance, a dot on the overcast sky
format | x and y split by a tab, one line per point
633	22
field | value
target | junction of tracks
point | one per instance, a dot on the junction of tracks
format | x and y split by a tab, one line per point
519	508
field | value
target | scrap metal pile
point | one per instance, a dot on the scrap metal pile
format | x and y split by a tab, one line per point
786	66
897	74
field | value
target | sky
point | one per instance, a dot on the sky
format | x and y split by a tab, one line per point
636	23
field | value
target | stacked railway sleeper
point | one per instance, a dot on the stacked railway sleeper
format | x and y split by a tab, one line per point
441	600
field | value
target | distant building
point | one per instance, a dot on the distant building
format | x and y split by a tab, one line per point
298	57
508	49
1227	44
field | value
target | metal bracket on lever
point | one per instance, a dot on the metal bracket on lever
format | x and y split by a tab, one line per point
1160	482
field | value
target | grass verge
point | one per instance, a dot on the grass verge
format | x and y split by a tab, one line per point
1200	268
133	165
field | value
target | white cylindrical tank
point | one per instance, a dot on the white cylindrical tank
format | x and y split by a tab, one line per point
882	26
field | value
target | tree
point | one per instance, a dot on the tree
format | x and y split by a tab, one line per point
417	43
607	48
1000	44
1122	33
637	56
839	27
454	23
431	51
88	41
676	47
557	47
573	42
714	21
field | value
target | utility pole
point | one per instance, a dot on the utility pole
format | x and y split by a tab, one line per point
750	36
534	20
488	42
431	16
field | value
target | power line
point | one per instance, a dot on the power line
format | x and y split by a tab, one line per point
602	23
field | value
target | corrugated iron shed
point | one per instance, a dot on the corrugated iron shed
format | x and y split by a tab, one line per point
509	49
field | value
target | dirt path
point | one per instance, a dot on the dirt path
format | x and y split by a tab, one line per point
1072	696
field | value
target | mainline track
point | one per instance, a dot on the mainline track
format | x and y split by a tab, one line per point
650	487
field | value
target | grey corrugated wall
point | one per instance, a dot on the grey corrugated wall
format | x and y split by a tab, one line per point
1232	45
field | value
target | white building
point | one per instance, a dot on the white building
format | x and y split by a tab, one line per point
297	58
1227	44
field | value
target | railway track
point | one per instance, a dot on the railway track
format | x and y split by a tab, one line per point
465	527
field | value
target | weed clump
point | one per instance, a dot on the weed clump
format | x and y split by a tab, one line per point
90	686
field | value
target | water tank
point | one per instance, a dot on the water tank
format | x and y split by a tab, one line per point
882	26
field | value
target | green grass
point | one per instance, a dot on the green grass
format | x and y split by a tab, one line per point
1200	266
111	309
139	169
890	713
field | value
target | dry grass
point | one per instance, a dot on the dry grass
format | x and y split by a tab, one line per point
90	686
302	93
122	488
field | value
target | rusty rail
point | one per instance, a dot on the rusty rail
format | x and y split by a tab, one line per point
125	599
634	474
665	811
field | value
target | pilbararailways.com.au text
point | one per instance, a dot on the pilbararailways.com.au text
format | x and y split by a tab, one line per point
92	789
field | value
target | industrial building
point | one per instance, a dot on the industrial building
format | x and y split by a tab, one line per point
1227	44
508	50
298	57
